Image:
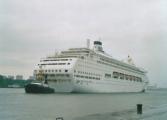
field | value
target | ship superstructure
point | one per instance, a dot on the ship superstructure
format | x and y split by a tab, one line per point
91	71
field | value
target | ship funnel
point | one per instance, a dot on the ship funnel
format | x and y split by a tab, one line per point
88	43
98	46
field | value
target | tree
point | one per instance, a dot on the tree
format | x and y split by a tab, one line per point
4	84
1	79
10	81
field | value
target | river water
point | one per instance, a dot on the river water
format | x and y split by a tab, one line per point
15	104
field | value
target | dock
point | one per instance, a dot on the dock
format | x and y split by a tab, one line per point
148	113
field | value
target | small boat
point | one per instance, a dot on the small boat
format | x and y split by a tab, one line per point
40	85
14	86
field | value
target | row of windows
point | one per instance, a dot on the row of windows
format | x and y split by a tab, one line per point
76	52
104	63
56	60
87	77
59	80
49	71
55	64
111	63
82	72
92	62
105	60
95	66
59	75
83	81
101	64
87	62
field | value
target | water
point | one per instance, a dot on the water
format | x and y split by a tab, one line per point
15	104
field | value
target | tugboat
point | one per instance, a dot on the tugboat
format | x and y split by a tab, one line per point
40	85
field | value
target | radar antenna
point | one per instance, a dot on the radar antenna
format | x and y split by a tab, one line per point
56	52
130	61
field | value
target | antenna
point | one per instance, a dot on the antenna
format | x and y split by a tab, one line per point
99	39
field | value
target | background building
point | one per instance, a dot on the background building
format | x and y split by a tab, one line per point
31	77
11	77
19	77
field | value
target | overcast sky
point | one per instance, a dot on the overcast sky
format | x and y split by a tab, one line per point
33	29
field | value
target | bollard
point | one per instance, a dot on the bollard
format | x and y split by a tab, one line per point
139	108
60	118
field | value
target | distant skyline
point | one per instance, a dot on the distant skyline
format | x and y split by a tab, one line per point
30	30
19	77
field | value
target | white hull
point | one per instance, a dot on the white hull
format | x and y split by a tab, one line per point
90	86
91	71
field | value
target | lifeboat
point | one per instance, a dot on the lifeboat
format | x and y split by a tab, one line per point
121	74
115	73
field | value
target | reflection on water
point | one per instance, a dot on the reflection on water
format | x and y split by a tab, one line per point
15	104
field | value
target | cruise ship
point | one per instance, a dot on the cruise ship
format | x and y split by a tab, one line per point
85	70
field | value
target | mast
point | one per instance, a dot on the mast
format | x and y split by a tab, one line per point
41	70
